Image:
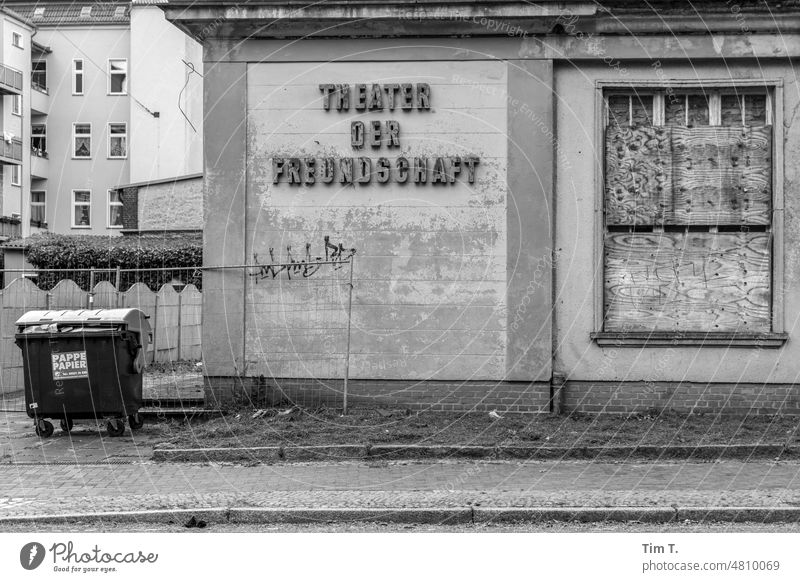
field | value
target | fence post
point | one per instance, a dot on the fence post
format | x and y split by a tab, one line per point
116	285
349	319
180	325
155	331
90	297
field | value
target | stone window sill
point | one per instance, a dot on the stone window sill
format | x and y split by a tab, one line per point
689	338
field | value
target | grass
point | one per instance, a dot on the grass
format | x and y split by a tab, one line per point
373	426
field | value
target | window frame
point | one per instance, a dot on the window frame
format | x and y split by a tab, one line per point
42	88
108	140
75	74
110	74
16	170
109	205
777	336
75	136
75	204
17	36
40	223
40	135
16	105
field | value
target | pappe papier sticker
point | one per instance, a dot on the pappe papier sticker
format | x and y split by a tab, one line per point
69	365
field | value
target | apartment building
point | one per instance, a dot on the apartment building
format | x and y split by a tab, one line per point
110	98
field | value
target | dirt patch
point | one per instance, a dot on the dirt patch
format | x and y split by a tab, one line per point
296	427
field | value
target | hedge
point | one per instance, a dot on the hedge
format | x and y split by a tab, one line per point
145	252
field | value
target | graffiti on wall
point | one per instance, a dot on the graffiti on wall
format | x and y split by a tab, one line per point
336	256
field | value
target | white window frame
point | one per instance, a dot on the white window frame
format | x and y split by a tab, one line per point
127	75
44	135
16	40
774	113
75	136
110	206
16	105
122	135
16	175
42	88
75	204
43	204
75	74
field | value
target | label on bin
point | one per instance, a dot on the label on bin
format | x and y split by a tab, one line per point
69	365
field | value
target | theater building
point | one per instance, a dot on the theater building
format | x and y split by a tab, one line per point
579	205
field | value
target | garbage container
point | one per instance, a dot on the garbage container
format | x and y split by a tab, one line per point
85	364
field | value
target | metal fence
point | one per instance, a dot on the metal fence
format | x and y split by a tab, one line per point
297	324
174	376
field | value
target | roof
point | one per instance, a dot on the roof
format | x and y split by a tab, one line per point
171	180
71	13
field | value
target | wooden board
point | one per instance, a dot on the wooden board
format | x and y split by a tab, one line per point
638	186
688	175
695	281
721	175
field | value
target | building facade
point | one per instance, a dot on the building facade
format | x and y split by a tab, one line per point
110	105
562	204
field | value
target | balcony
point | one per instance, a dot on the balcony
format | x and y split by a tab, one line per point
10	227
40	100
11	151
39	164
10	81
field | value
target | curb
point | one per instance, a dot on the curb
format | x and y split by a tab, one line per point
430	515
393	452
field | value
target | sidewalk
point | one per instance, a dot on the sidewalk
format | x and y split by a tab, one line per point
88	475
406	491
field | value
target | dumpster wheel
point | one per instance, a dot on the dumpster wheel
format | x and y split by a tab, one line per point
44	428
66	424
116	427
136	421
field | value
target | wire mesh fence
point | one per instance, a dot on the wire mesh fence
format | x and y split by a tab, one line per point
297	325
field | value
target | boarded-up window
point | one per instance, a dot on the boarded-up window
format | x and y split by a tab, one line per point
688	210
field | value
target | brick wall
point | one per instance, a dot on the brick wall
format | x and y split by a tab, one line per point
130	208
726	398
505	397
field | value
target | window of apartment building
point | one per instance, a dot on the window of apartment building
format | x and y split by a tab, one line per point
114	209
16	175
16	104
77	76
81	208
117	76
39	75
82	140
688	196
117	140
38	209
39	139
16	39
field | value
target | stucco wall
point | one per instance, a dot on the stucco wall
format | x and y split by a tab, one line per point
95	46
429	302
577	271
171	144
171	206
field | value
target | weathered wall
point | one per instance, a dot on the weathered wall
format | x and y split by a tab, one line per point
581	359
171	205
430	268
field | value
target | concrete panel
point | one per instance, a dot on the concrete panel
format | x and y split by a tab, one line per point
578	356
224	217
425	253
530	220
